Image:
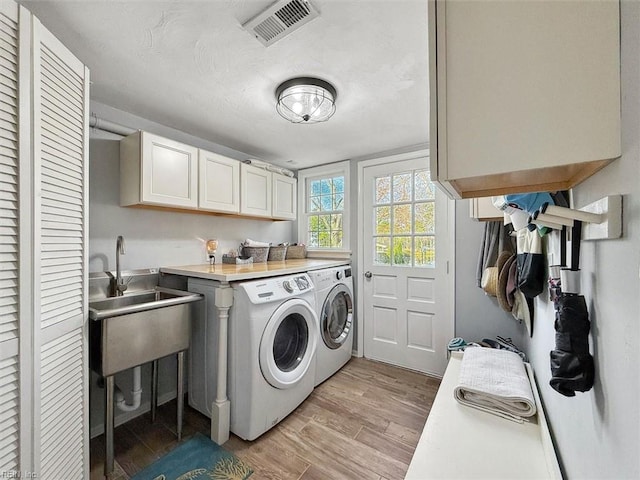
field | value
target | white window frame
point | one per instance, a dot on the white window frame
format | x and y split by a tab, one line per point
304	179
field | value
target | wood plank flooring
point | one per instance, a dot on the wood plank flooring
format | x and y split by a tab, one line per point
362	423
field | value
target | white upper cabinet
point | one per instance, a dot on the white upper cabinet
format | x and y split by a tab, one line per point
284	197
525	95
255	191
158	171
219	178
482	209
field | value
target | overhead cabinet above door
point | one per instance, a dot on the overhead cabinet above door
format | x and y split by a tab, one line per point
525	95
158	171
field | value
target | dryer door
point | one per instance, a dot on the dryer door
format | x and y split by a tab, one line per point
289	343
337	317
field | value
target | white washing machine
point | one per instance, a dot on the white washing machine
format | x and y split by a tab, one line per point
273	335
335	307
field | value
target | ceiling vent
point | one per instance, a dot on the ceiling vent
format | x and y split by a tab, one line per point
280	19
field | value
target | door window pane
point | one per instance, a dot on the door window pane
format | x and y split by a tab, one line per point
424	189
382	249
383	190
402	251
425	217
383	221
425	251
402	187
401	219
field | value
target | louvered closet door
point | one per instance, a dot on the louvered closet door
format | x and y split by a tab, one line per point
9	241
60	166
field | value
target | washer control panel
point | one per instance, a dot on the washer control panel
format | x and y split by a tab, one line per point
276	288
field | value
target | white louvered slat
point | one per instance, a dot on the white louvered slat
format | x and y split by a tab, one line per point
9	414
9	167
62	392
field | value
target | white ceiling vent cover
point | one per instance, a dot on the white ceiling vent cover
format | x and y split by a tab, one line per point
280	19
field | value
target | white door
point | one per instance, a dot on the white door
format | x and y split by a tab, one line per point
407	279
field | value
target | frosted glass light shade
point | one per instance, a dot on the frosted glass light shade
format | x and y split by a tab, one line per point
306	100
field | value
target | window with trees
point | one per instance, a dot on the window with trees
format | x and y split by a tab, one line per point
324	221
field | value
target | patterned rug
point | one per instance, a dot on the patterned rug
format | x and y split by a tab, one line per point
197	458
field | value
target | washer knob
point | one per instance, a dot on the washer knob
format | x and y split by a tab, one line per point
339	274
287	286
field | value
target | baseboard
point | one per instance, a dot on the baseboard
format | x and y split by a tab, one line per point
124	417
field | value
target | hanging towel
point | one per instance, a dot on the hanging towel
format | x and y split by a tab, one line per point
495	381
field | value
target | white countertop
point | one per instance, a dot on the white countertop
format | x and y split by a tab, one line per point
232	273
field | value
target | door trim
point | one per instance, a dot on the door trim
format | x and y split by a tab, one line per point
451	268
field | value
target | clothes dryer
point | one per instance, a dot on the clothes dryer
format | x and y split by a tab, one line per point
273	336
335	310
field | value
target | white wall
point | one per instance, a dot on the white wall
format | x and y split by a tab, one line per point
598	432
153	238
478	315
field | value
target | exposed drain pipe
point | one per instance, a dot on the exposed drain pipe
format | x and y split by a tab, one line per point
136	393
111	127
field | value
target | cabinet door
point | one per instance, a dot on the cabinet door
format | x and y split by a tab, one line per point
255	191
219	183
284	197
169	172
525	96
482	209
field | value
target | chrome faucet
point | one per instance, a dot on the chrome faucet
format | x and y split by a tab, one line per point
120	286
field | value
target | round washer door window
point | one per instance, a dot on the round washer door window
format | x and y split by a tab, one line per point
289	343
337	317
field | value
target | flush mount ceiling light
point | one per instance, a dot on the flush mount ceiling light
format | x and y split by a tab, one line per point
306	100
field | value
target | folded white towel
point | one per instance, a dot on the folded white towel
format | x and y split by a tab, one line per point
495	381
253	243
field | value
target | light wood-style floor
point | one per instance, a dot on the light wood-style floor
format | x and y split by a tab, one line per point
362	423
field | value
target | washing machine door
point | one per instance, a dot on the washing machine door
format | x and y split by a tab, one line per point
288	344
337	317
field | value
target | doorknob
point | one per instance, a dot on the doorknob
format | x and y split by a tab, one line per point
367	274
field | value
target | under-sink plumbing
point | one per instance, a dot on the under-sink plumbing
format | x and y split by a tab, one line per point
136	393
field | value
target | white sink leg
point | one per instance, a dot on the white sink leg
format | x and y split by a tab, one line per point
221	408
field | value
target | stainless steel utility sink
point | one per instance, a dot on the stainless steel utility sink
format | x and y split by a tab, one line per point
130	330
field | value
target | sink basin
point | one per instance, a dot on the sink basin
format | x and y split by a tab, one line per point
140	302
134	329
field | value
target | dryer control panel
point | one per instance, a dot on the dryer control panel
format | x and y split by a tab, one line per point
277	288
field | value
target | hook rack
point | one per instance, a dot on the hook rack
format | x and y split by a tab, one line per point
602	219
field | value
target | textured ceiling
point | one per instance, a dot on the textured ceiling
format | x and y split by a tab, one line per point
190	66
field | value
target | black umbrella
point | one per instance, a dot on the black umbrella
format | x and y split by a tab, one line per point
572	368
